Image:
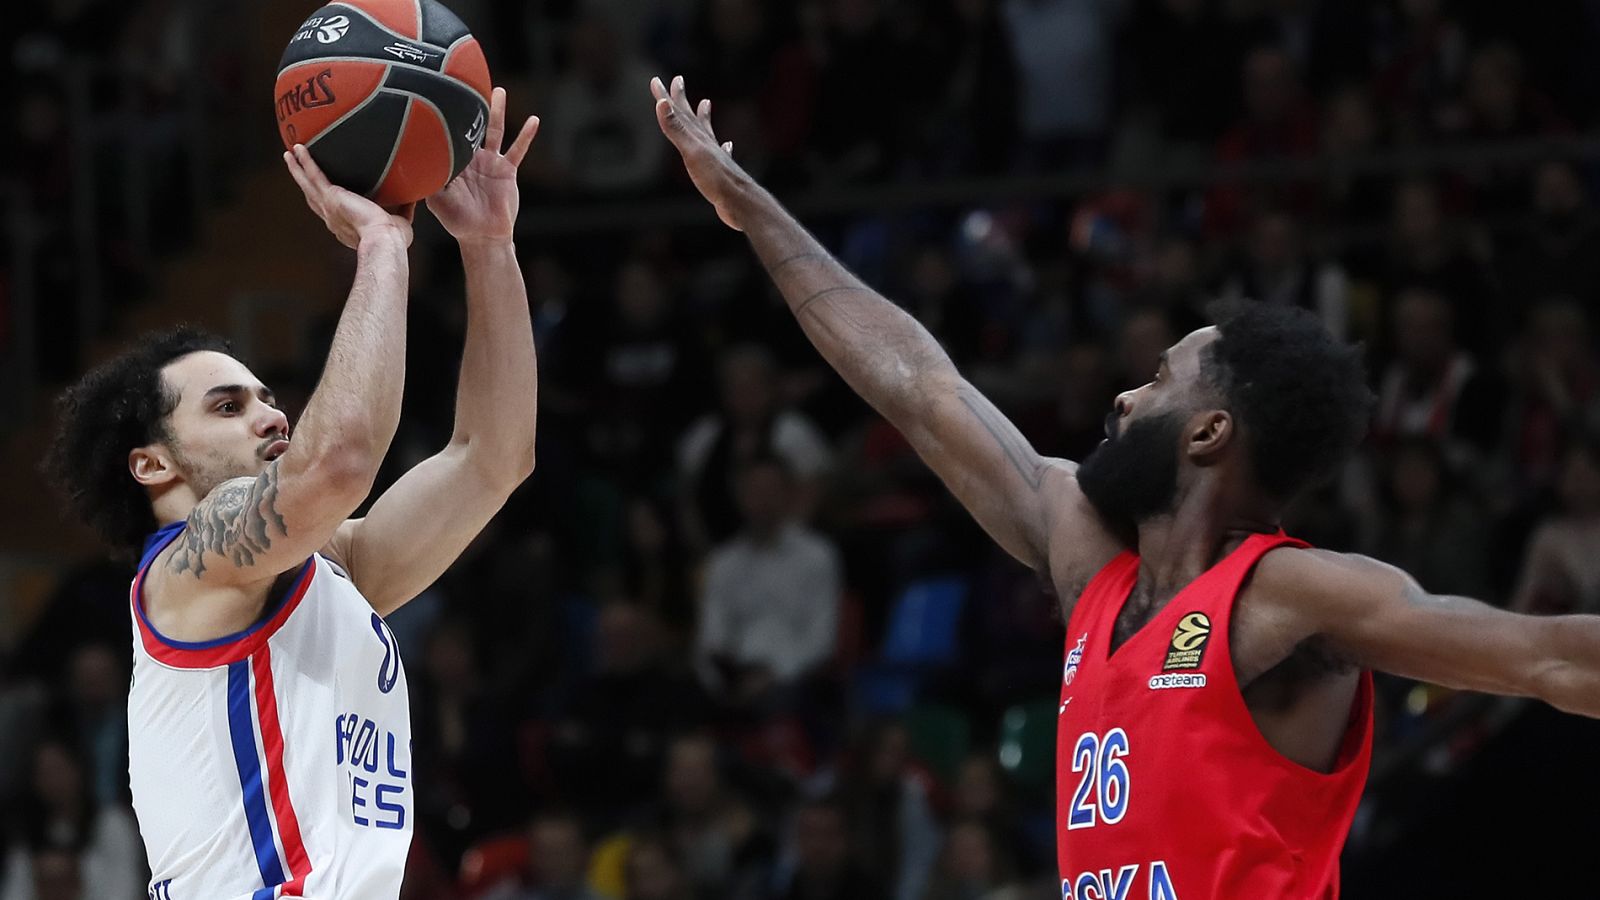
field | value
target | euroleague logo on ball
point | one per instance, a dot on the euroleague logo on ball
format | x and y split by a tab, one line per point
333	29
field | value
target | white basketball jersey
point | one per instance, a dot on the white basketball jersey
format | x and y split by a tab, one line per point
275	762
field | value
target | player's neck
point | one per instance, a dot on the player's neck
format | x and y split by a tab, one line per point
172	503
1207	523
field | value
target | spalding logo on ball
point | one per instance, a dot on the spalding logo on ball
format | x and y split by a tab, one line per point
390	96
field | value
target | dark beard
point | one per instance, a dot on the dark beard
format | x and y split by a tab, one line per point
1133	476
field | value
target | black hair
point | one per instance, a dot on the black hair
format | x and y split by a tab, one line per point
119	405
1299	395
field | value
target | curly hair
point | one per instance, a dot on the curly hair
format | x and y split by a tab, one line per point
1300	395
118	406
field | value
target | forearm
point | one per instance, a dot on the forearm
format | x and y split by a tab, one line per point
1570	678
884	354
356	406
497	396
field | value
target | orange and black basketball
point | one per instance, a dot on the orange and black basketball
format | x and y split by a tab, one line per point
390	96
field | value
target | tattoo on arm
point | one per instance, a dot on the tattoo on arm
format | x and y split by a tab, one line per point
781	264
237	522
1022	458
801	307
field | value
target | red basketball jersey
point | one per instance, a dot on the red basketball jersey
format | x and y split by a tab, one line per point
1165	788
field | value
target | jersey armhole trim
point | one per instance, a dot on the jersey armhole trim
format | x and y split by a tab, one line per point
224	650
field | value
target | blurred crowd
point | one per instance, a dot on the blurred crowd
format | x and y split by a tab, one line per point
732	639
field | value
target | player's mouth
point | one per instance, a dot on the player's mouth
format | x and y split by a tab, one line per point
275	449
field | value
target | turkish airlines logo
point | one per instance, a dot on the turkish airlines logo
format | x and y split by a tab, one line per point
1189	640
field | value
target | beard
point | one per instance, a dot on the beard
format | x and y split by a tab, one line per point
205	470
1133	475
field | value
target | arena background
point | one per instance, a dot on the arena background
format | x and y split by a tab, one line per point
1058	188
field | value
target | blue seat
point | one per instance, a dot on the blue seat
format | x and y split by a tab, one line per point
925	624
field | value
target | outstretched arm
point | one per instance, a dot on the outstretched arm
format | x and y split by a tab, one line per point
248	530
884	354
422	523
1379	616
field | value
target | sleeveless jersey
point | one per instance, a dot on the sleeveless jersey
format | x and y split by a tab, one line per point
1165	788
274	762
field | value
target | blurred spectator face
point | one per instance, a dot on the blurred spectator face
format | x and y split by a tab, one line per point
749	385
1557	193
1350	125
932	274
56	876
641	298
1559	334
1417	217
57	778
1145	336
97	682
651	873
977	788
1415	478
1269	85
1494	84
1086	386
736	24
1579	485
889	754
1423	331
969	854
1174	266
595	52
622	638
450	658
766	497
1274	243
854	17
821	841
560	855
692	782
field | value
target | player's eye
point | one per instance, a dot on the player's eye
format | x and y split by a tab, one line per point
228	407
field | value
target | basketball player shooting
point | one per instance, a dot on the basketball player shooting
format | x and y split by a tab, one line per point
1215	724
270	738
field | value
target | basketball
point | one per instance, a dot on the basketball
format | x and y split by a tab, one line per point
391	97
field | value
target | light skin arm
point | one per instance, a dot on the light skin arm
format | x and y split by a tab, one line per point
421	524
884	354
1379	617
247	531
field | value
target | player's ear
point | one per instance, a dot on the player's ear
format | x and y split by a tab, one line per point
152	465
1209	434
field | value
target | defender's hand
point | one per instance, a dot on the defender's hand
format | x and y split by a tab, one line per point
481	203
347	214
710	165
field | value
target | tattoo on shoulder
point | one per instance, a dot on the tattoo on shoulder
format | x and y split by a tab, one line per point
1016	448
238	521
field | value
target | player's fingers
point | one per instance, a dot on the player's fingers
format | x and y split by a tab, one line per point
313	172
407	211
703	111
497	120
524	140
293	165
679	99
657	89
664	118
727	146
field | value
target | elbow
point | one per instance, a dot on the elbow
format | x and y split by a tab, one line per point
348	472
503	469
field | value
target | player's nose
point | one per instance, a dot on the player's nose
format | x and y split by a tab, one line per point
272	421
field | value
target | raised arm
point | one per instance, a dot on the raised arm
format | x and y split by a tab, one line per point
1380	617
884	354
249	530
418	527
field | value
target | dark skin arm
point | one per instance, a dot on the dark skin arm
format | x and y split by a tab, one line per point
884	354
1380	618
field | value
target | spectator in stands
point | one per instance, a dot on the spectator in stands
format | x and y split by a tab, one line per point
58	875
1434	388
1278	123
600	138
885	796
827	866
769	611
609	740
1559	251
1180	64
653	872
974	865
1427	250
714	833
857	132
95	709
751	423
559	853
58	821
1064	59
1562	571
1277	268
1555	386
1428	525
